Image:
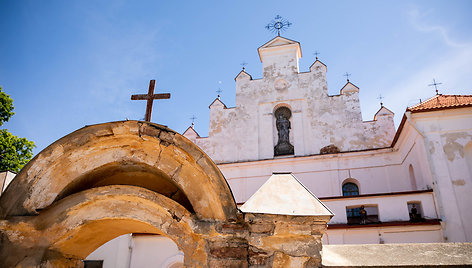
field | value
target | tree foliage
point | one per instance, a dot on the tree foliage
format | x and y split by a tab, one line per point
15	152
6	107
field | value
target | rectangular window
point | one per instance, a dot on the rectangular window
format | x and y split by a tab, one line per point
365	214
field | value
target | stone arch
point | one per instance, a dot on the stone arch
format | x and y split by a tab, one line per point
75	226
122	153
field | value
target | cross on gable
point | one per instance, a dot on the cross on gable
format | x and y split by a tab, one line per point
150	97
435	84
347	76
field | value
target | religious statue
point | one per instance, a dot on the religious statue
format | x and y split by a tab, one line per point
283	126
414	216
363	215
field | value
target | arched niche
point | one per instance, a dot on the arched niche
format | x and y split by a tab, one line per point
283	134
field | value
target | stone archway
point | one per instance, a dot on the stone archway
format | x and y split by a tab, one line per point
106	180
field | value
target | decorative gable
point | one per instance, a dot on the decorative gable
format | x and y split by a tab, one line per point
349	87
243	75
383	112
190	133
217	103
318	64
280	43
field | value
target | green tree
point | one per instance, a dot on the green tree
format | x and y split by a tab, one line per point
15	152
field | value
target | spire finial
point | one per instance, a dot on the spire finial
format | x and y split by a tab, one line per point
219	90
381	98
193	120
347	76
316	54
278	24
244	65
435	86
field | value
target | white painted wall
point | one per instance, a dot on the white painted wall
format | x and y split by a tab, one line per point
318	119
447	135
139	251
384	235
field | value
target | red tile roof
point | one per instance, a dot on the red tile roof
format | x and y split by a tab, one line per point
440	102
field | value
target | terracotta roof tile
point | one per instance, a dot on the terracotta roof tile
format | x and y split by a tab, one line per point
440	102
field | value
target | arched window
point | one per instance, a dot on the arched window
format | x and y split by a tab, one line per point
350	189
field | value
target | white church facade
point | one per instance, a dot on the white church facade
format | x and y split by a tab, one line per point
343	160
410	185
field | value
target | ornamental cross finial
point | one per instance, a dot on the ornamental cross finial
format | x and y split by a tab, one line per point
381	98
244	65
219	92
347	76
435	86
278	24
193	120
150	97
316	54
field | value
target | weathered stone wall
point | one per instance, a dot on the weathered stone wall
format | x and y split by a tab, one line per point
318	120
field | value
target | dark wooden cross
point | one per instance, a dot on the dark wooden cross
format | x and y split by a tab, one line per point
150	97
435	85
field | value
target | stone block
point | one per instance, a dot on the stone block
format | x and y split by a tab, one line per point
215	263
229	249
286	261
267	228
259	257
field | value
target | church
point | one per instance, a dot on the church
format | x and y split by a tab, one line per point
383	185
412	183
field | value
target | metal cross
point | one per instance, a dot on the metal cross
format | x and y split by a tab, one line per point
316	54
381	98
193	120
219	91
244	64
347	76
278	24
435	85
150	97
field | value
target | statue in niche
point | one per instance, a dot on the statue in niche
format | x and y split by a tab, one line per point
282	123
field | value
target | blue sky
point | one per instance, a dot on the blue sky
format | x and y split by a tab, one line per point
68	64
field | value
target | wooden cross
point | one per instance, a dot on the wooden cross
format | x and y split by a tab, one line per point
150	97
